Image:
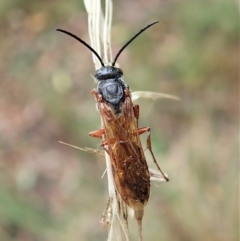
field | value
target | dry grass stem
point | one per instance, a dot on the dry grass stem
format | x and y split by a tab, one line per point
99	27
152	95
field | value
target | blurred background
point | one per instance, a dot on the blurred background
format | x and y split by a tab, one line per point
49	191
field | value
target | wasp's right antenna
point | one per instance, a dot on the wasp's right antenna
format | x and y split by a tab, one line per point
84	43
126	44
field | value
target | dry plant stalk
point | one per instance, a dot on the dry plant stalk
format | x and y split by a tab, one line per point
99	27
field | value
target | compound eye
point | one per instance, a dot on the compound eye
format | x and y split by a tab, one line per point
120	71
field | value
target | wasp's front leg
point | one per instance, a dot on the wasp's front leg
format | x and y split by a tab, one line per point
97	134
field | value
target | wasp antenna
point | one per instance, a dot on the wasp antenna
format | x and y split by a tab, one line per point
129	41
84	43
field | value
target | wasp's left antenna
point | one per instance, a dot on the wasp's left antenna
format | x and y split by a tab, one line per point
129	41
84	43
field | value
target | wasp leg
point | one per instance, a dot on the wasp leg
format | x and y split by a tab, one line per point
136	112
97	134
149	147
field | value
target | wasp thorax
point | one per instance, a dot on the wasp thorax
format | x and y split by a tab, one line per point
111	86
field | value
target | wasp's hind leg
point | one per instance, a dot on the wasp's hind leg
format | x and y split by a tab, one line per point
149	147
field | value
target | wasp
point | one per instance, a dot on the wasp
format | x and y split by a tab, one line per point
121	132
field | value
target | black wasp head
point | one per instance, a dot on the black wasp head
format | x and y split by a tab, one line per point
111	86
110	83
108	72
